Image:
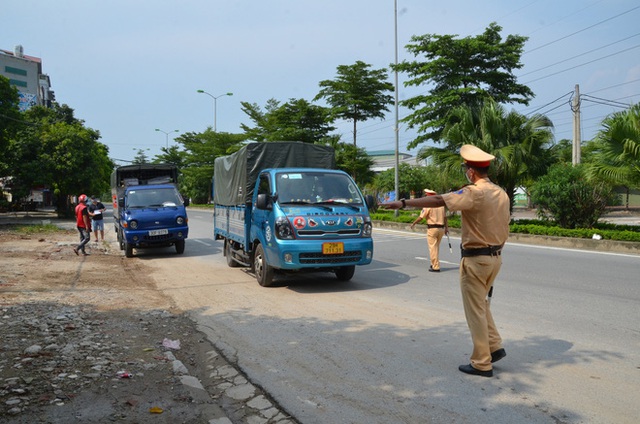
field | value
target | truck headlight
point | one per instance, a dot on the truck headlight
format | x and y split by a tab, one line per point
283	229
133	224
180	220
367	228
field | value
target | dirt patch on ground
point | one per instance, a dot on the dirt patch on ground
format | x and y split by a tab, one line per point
44	268
90	339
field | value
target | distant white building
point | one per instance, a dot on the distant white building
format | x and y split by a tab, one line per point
386	159
25	73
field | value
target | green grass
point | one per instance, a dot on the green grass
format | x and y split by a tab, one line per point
37	229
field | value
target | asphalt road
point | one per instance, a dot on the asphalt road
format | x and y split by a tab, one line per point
385	347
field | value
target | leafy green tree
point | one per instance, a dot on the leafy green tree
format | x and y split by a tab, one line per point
200	152
296	120
10	119
562	151
461	71
171	155
357	93
570	198
58	151
519	143
140	157
412	179
617	156
354	161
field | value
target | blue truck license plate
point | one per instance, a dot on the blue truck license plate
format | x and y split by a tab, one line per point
332	248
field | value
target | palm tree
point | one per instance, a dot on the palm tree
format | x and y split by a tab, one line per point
519	143
618	157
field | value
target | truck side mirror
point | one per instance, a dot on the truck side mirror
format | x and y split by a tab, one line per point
263	202
371	202
185	200
121	202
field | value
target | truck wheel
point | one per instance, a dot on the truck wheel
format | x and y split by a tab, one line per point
264	272
180	247
227	254
345	273
128	250
120	239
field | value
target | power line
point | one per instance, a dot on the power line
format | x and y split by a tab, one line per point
565	17
614	86
604	101
583	64
550	103
582	30
581	54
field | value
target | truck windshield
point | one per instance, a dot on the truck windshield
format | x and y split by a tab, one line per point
157	197
316	188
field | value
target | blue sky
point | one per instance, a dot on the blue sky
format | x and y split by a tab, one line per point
128	67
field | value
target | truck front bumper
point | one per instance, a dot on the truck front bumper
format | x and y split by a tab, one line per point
299	254
147	238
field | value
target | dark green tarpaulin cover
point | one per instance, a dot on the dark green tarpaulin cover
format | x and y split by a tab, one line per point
235	175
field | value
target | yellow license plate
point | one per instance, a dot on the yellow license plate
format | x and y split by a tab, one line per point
332	248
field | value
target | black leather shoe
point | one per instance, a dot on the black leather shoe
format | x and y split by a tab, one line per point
498	355
433	270
468	369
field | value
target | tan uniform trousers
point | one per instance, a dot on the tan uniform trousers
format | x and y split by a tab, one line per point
477	274
434	237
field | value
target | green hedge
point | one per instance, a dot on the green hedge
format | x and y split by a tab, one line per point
533	226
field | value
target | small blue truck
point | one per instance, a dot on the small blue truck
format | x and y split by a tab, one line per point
282	207
147	207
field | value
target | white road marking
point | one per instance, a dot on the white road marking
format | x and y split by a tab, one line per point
441	261
202	242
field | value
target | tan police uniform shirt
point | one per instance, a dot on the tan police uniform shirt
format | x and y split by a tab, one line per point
434	216
485	214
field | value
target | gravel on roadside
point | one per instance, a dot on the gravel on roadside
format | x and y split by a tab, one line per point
91	340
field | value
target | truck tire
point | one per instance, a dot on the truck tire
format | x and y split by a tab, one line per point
345	273
120	239
264	272
128	250
227	253
180	247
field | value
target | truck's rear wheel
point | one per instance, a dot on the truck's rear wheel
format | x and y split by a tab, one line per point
180	247
128	250
227	254
264	272
345	273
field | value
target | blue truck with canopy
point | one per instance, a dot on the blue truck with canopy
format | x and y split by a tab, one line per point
148	209
282	207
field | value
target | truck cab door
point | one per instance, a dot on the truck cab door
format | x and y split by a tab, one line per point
262	208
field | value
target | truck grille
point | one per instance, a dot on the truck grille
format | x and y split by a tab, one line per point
321	233
163	237
319	258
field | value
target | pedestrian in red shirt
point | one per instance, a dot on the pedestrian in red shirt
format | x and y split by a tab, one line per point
83	223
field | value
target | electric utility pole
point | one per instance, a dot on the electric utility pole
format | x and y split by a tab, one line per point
577	137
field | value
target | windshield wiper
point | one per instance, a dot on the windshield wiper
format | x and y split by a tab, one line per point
299	202
336	203
295	202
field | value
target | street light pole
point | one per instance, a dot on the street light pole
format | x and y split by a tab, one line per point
166	133
396	129
215	106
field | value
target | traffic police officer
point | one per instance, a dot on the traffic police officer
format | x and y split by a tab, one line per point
485	214
436	228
